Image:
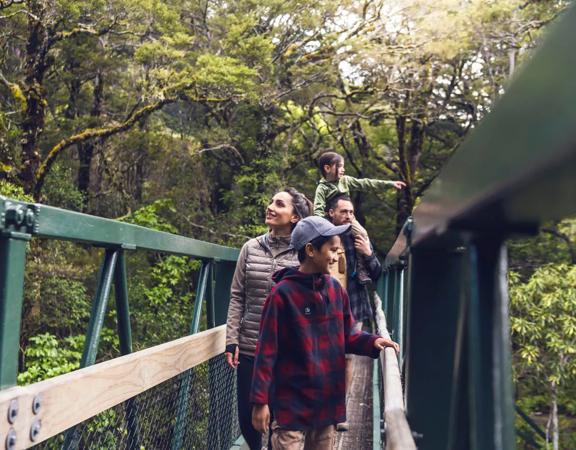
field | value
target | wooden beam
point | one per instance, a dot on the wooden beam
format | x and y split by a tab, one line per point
69	399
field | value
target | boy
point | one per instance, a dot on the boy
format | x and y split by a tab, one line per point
334	182
305	331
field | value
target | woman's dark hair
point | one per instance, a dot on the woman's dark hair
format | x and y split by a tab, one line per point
302	206
328	158
317	243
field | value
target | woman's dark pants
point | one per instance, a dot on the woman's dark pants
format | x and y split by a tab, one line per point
244	383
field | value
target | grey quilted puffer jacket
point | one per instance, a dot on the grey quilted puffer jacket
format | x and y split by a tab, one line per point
259	259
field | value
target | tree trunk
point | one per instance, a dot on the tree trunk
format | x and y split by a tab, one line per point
86	149
554	413
37	47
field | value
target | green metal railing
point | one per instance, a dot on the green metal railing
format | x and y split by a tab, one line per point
20	222
445	289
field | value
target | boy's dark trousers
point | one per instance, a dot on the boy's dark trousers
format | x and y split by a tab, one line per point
244	383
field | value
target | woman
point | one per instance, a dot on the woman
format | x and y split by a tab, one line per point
259	259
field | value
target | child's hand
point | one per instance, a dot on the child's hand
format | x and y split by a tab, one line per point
381	343
399	184
260	418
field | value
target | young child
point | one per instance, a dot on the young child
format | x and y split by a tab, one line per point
305	331
334	182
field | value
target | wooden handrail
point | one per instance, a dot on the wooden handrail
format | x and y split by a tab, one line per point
398	433
69	399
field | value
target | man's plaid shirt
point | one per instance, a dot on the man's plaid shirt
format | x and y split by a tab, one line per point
358	294
299	370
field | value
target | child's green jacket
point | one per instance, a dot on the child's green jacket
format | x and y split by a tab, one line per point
328	189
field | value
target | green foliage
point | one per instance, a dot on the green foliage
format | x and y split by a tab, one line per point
149	216
46	357
61	191
14	191
543	323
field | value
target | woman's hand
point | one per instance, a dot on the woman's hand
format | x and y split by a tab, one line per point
231	353
260	418
382	343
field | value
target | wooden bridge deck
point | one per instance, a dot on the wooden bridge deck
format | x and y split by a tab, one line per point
358	408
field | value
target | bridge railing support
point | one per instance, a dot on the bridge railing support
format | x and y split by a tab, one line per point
20	222
514	172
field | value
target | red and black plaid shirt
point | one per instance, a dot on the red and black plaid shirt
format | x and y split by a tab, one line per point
299	370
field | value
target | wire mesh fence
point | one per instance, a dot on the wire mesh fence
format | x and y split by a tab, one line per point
194	410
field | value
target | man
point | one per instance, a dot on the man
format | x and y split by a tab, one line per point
341	212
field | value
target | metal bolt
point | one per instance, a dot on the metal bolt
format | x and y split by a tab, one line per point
35	430
15	215
36	404
11	439
30	217
13	411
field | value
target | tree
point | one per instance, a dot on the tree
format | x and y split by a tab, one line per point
543	324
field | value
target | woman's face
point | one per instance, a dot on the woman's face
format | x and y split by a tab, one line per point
280	211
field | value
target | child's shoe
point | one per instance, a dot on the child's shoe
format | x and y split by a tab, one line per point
362	271
342	426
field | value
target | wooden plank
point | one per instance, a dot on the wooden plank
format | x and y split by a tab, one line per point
74	397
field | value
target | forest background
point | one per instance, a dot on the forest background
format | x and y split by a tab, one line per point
186	116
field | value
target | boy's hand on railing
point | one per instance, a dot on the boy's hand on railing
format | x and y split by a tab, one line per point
399	184
232	352
382	343
260	418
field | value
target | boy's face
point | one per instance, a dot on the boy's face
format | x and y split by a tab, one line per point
335	171
327	255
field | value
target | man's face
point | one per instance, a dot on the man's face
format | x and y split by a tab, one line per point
343	214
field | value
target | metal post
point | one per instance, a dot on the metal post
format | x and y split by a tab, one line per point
106	275
122	306
221	378
432	307
184	391
99	308
490	373
12	266
125	336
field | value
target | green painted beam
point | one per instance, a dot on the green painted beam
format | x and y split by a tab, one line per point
56	223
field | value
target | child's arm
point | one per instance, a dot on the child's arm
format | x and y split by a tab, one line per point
360	342
264	361
367	184
356	342
320	201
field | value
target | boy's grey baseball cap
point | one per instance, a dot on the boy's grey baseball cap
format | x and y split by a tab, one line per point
312	227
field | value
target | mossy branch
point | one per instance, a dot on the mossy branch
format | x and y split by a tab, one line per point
16	92
93	133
